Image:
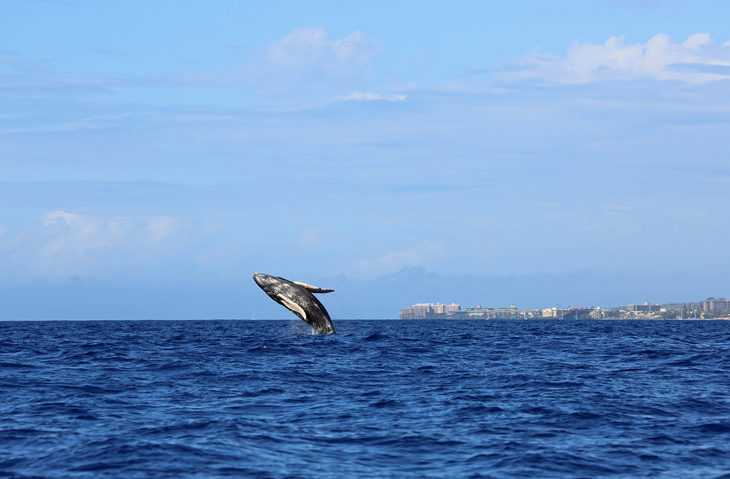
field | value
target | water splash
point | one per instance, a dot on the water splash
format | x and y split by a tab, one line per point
297	328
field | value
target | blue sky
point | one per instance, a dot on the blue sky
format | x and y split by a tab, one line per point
154	155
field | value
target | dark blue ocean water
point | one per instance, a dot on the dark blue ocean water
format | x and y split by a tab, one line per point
380	399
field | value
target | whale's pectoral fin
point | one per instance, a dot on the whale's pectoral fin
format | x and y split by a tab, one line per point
293	307
313	289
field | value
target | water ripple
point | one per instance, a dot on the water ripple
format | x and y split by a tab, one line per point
380	399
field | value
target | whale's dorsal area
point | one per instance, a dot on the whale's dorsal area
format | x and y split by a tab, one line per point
312	289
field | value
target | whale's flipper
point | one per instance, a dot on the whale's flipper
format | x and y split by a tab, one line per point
294	308
312	289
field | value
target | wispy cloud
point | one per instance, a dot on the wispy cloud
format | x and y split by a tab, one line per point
308	58
56	217
647	4
686	214
69	244
696	60
357	96
303	60
422	254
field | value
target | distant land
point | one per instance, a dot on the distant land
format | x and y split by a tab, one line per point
711	308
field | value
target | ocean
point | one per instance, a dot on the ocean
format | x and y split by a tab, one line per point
267	399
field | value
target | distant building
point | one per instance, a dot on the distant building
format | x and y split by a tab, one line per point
439	308
425	310
578	312
511	307
646	307
550	313
478	312
721	305
508	312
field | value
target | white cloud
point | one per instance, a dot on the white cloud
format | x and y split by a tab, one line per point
304	59
422	254
697	41
69	244
307	58
53	217
357	96
696	60
65	242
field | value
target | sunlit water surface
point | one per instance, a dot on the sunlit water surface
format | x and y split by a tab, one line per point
379	399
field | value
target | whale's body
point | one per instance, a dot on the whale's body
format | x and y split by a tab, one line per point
298	298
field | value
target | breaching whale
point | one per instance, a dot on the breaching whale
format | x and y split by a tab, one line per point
298	298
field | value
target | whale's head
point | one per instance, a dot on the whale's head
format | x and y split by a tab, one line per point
265	281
